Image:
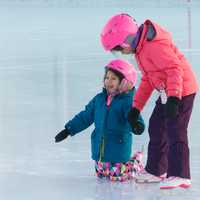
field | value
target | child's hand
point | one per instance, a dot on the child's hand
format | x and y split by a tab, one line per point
138	128
62	135
133	116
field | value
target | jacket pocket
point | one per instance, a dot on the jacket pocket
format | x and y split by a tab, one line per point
118	147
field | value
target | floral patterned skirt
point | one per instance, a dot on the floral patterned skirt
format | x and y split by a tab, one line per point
120	171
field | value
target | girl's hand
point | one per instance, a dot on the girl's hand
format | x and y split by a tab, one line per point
138	128
62	135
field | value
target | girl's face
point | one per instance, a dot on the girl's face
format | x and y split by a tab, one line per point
111	82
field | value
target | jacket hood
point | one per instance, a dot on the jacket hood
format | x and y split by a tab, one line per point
153	32
156	32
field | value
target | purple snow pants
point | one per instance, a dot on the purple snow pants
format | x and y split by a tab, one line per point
168	149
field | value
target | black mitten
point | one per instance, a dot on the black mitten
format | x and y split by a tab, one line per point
133	116
138	128
62	135
172	107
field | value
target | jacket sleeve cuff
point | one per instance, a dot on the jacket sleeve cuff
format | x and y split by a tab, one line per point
69	128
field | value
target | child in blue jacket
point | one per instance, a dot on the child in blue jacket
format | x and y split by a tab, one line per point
111	140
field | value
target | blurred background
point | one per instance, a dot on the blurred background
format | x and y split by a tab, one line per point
51	65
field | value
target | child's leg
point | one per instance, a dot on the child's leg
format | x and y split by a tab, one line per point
102	169
136	163
178	157
121	171
115	172
99	169
158	146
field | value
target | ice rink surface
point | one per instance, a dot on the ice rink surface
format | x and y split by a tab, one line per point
51	65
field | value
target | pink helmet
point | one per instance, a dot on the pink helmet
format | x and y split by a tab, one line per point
124	68
117	29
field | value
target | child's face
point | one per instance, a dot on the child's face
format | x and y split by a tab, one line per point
111	82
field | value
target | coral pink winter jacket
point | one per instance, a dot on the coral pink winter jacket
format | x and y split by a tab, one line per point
162	65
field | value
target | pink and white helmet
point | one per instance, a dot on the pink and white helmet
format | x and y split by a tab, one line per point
126	69
117	29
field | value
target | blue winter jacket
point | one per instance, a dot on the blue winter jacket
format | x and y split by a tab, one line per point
111	139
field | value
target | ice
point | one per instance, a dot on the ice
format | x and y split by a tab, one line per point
51	65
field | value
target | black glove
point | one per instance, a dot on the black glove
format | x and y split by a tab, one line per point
133	116
138	128
172	107
62	135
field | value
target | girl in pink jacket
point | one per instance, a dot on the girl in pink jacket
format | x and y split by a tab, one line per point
165	69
